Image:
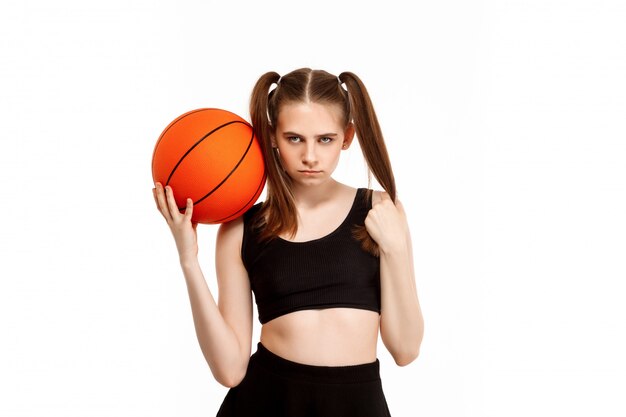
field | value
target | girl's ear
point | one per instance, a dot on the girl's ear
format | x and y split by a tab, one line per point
348	135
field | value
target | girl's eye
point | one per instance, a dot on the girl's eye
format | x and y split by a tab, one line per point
326	140
294	139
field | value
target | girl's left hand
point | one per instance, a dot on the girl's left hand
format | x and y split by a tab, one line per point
387	224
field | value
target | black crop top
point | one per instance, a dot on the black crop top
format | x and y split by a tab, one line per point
332	271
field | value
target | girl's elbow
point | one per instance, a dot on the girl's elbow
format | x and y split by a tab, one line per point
230	381
413	350
232	377
409	351
406	358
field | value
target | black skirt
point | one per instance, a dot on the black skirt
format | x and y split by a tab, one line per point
277	387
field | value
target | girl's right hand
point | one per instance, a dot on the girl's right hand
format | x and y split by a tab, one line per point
183	229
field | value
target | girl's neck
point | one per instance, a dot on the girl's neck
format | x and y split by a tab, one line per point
312	196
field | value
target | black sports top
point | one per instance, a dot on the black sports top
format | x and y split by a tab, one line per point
332	271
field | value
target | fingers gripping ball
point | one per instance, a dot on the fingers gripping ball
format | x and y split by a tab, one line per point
213	157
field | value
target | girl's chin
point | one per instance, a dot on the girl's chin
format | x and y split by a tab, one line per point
309	181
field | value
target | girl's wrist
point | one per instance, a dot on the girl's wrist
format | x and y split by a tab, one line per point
188	261
394	249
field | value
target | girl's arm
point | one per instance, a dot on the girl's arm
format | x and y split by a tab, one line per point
401	321
224	331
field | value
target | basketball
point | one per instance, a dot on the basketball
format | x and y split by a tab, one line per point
213	157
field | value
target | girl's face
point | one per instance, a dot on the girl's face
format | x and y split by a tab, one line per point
310	137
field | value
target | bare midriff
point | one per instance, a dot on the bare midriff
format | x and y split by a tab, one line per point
328	337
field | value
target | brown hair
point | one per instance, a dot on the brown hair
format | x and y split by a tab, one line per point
278	212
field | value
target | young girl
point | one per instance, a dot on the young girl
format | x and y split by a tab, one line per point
329	265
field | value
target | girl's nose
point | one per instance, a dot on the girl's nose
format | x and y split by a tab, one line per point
310	156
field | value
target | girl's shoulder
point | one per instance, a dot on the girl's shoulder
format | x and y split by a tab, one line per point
251	220
377	196
252	211
236	225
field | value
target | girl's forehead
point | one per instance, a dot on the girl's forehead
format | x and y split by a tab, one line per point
309	112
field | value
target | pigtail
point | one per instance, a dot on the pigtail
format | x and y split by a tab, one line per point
372	144
277	213
369	133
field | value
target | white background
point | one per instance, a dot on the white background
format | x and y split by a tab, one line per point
505	125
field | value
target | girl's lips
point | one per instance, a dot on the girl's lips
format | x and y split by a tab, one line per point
310	172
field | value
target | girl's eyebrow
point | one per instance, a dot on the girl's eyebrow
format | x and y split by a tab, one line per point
319	136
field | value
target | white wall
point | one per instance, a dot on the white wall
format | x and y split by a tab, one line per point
505	125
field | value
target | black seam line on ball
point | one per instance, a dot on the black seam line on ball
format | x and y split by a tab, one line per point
258	188
198	142
230	173
168	128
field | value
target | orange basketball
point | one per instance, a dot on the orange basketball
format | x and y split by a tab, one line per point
213	157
